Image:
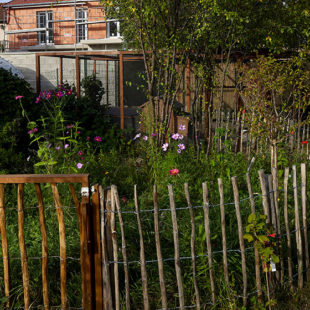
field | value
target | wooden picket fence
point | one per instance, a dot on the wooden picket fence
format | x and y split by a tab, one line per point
109	270
116	270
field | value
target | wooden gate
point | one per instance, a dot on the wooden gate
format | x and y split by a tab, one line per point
83	210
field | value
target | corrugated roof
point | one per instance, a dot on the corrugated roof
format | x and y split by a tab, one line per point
30	2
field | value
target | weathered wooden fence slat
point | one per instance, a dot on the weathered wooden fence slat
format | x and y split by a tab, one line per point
22	246
176	248
287	229
304	216
298	231
44	246
142	254
5	250
62	247
124	250
162	284
241	240
206	208
106	279
256	254
115	254
193	240
223	227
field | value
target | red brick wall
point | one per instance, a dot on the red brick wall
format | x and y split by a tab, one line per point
64	32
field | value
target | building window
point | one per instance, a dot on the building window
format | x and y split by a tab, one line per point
81	24
45	20
113	28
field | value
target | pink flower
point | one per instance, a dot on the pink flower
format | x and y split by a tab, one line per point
57	147
175	136
97	139
19	97
174	171
243	111
179	151
124	199
80	153
59	94
69	126
181	146
165	146
32	131
145	138
49	95
182	127
79	165
38	99
154	134
66	146
78	132
69	92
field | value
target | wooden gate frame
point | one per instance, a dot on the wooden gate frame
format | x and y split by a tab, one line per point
84	213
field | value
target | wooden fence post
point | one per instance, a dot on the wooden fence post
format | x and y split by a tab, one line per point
241	241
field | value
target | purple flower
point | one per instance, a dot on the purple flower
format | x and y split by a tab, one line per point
179	151
57	147
79	165
154	134
49	95
145	138
19	97
175	136
59	94
78	132
32	131
66	146
181	146
97	139
182	127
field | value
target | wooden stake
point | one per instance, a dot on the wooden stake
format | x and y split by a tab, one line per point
164	302
241	241
5	250
22	246
264	194
176	247
304	215
223	225
62	245
298	232
44	246
193	239
107	293
115	254
142	255
271	200
256	254
124	251
206	207
287	231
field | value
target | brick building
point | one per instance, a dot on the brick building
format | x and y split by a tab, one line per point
60	25
3	27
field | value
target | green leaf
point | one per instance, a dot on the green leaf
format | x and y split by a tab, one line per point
248	237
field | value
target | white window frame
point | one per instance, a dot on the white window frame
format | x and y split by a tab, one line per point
48	34
83	27
118	28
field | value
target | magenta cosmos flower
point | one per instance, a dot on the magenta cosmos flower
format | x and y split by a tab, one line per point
79	165
174	171
97	139
19	97
32	131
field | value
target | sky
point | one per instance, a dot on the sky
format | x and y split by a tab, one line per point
4	1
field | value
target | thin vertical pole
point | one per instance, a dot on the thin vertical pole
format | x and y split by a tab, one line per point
193	240
256	254
241	241
164	302
176	247
206	208
77	76
107	82
188	85
223	225
304	215
287	230
62	245
142	254
38	74
264	194
124	251
61	70
298	232
44	246
121	82
22	246
5	250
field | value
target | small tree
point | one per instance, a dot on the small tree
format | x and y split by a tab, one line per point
276	91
